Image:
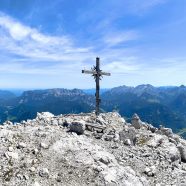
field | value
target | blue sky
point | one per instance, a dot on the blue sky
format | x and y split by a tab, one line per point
45	44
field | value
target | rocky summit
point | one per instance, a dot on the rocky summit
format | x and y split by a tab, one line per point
82	150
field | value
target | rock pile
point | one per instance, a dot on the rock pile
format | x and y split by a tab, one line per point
83	150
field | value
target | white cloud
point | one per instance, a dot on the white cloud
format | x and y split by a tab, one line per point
122	66
116	38
35	48
25	41
140	6
151	3
15	29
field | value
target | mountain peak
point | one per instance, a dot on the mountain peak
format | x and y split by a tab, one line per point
53	150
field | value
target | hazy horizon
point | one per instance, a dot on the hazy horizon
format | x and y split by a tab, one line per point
90	88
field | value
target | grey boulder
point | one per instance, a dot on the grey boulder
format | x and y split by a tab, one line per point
77	127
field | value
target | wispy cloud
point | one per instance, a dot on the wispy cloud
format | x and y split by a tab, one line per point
28	42
124	65
149	4
115	38
26	49
142	6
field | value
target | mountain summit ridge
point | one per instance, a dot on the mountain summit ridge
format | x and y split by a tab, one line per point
81	149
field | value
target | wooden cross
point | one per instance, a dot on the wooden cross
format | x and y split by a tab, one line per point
97	73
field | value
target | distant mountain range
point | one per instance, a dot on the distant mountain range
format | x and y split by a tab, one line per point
157	105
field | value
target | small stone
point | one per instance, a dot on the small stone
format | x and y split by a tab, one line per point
35	151
127	142
8	123
20	176
44	115
166	131
184	167
54	122
155	141
44	145
147	169
10	149
150	171
36	184
44	172
173	141
153	169
116	137
98	168
182	150
34	161
108	137
104	160
32	169
58	179
13	155
22	145
26	177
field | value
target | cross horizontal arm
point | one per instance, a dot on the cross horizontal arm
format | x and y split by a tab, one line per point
105	73
89	72
94	72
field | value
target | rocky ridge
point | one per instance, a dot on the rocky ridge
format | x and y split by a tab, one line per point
84	150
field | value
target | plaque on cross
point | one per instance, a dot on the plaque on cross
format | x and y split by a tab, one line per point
97	74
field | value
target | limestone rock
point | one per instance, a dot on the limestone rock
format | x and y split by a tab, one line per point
150	171
155	141
44	172
136	122
67	122
166	131
32	169
13	155
77	127
127	142
35	151
7	123
10	149
121	154
151	128
182	150
44	115
22	145
128	134
36	184
43	145
171	151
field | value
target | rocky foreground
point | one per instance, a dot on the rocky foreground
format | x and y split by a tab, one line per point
82	150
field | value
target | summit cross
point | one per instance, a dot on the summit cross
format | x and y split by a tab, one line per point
97	74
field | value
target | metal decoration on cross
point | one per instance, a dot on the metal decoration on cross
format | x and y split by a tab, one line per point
97	74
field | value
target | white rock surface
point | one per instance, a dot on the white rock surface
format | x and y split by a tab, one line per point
182	150
22	145
45	151
13	155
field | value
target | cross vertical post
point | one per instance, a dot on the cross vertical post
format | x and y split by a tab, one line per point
98	100
97	73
